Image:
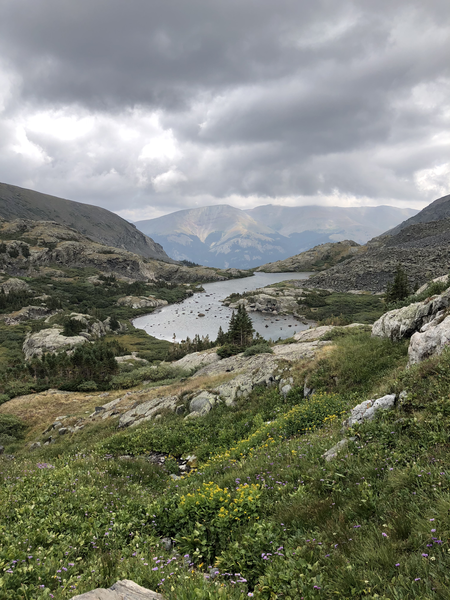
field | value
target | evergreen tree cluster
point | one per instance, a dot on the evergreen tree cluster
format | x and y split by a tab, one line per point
240	334
15	300
240	331
89	362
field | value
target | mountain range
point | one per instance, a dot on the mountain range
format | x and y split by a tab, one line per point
224	236
98	224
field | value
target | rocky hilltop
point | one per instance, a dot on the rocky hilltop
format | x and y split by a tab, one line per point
98	224
32	248
318	258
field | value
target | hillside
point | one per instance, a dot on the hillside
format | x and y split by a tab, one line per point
314	468
359	223
224	236
436	211
96	223
419	244
319	258
31	248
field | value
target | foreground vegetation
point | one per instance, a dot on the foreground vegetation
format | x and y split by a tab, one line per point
262	514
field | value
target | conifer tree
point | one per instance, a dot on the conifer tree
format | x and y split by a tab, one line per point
240	331
399	289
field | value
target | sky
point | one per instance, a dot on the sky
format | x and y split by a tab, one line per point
146	107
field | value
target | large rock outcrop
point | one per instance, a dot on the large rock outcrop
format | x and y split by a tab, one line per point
53	340
32	247
403	322
14	285
426	323
430	340
97	223
141	302
28	313
49	340
270	300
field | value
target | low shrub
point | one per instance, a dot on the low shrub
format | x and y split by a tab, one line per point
12	426
87	386
258	349
150	374
228	350
202	521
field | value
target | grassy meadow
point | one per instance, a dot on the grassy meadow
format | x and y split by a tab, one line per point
261	514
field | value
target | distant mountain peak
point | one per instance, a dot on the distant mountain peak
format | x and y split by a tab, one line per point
223	236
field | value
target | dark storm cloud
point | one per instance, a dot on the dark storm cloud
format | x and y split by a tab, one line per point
170	103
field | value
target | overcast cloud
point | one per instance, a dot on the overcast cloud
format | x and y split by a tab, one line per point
149	106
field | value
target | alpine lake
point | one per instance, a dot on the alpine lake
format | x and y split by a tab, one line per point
176	322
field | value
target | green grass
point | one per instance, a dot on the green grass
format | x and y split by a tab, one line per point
351	308
372	524
262	507
357	363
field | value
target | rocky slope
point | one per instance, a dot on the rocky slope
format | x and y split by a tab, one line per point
213	381
421	247
318	258
96	223
436	211
223	235
30	248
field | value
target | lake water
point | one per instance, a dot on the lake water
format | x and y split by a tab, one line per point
182	319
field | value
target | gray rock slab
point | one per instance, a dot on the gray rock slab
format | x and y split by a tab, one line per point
202	403
430	341
122	590
403	322
49	340
367	409
309	335
111	404
146	410
299	351
197	360
334	451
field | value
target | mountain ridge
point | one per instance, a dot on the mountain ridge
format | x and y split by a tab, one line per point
99	224
421	245
223	235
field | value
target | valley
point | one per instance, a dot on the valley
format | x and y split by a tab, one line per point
203	468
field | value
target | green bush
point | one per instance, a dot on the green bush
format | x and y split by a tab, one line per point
12	426
202	521
72	327
228	350
258	349
87	386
